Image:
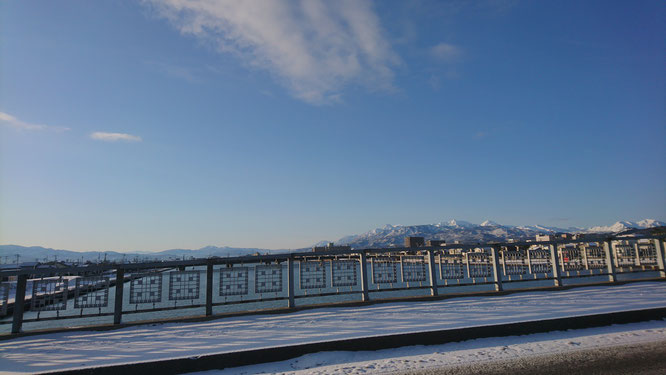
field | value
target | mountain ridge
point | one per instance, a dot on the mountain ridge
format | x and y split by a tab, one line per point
386	236
463	231
41	254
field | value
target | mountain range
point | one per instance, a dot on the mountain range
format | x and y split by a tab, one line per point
387	236
8	254
465	232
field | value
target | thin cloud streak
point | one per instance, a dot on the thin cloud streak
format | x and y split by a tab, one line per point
446	52
314	48
114	137
15	123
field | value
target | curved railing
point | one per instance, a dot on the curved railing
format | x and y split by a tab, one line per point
48	297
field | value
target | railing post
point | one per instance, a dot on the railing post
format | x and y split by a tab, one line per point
529	261
614	254
555	264
120	283
663	249
19	303
637	260
583	248
610	266
433	273
290	282
503	261
467	264
364	277
496	274
209	287
660	258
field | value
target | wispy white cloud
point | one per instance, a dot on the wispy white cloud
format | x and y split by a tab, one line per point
114	137
315	48
446	52
9	120
446	57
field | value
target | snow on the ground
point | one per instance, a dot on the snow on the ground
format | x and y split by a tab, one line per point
59	351
491	349
11	296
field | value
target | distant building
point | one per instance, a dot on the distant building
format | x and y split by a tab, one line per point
436	243
414	241
331	247
582	236
552	237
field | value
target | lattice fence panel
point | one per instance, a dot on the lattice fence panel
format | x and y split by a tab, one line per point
451	266
625	255
234	281
268	278
413	268
49	294
344	272
4	298
515	262
479	265
146	288
91	291
596	257
647	253
572	259
540	261
312	274
384	270
184	285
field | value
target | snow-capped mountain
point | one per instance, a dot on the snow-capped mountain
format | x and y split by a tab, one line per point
625	225
389	235
458	230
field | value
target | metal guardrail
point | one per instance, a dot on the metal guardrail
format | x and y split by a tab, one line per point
303	275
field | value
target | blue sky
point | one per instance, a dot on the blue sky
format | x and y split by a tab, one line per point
163	124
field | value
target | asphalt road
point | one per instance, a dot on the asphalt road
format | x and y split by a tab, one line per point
644	359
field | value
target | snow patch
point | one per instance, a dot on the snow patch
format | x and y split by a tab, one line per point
416	358
79	349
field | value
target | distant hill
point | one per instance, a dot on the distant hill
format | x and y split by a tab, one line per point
389	235
41	254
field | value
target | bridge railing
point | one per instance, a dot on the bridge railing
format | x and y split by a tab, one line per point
116	293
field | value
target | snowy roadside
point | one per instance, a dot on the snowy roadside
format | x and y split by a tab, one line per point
154	342
452	355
